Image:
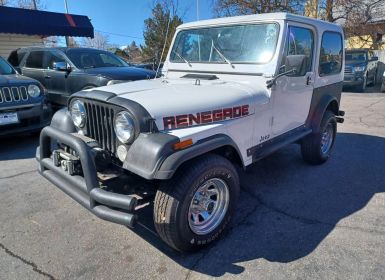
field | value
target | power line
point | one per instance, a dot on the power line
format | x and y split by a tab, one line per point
117	34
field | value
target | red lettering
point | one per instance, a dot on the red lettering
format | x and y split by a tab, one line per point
194	119
227	113
245	110
217	115
181	121
206	117
237	112
169	122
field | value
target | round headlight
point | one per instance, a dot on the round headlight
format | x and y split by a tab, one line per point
33	90
78	113
124	127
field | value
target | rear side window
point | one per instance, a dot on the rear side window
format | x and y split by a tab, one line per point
35	59
331	54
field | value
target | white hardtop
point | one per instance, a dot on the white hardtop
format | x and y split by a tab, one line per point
260	18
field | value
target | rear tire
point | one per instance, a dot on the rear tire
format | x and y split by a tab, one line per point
316	147
193	208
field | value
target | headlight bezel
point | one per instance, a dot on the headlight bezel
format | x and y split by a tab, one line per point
34	91
131	123
82	113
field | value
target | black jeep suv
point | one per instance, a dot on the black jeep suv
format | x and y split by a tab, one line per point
23	105
64	71
360	68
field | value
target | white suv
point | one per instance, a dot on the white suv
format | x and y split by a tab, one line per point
233	91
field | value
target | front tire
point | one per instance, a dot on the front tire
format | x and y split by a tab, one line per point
193	208
317	146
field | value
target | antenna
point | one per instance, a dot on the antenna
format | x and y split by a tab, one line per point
164	46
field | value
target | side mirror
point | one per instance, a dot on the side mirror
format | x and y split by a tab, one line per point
297	64
374	58
61	66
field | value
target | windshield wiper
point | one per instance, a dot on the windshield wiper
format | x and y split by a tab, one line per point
181	57
222	56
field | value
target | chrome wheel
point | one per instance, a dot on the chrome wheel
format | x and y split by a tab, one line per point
208	206
327	139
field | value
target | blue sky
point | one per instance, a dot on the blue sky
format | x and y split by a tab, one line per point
125	17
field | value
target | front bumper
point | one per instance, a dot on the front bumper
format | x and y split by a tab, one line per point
353	79
31	119
87	189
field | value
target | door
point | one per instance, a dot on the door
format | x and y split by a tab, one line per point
33	67
292	93
57	81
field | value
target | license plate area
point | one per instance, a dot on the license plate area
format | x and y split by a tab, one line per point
8	118
68	162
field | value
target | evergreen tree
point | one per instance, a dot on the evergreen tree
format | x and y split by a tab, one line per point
155	32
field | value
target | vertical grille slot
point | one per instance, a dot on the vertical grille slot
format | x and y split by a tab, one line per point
23	93
15	94
1	96
7	94
100	124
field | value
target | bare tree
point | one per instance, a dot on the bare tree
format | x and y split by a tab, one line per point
100	41
24	4
246	7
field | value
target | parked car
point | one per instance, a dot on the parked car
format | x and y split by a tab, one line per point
383	83
360	68
63	71
23	106
234	90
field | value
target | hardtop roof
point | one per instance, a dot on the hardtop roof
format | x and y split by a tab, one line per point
262	17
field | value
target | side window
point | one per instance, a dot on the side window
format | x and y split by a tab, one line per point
300	41
52	57
331	54
35	60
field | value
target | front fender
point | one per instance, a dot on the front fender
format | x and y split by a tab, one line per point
62	120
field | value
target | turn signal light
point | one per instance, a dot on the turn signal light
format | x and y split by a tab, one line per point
183	144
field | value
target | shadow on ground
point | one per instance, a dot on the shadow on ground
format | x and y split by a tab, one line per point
287	207
18	147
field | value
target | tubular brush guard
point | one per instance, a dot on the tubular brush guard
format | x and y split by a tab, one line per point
86	190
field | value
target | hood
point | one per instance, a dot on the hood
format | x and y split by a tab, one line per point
122	73
180	98
354	62
15	79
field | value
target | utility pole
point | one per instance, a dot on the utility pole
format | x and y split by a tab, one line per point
67	38
197	9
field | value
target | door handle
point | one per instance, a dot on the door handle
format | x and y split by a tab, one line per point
308	80
47	77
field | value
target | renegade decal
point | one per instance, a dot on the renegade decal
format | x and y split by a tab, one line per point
205	117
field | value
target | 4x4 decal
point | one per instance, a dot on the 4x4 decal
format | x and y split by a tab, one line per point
186	120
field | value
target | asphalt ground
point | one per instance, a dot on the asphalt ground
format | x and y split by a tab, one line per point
294	221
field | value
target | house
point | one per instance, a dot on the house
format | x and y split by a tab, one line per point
24	28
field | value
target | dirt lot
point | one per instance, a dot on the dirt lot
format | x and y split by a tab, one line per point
294	221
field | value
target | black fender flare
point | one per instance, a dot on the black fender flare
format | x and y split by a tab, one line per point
171	164
323	98
62	120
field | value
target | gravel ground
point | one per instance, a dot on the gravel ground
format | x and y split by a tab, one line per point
294	221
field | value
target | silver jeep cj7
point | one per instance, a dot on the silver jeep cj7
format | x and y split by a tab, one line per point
233	91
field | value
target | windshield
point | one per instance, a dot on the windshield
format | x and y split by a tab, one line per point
252	43
5	68
84	59
356	56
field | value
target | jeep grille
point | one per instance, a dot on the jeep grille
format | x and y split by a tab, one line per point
13	94
100	124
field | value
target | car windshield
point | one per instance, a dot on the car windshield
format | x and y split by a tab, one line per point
356	56
84	59
252	43
5	68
